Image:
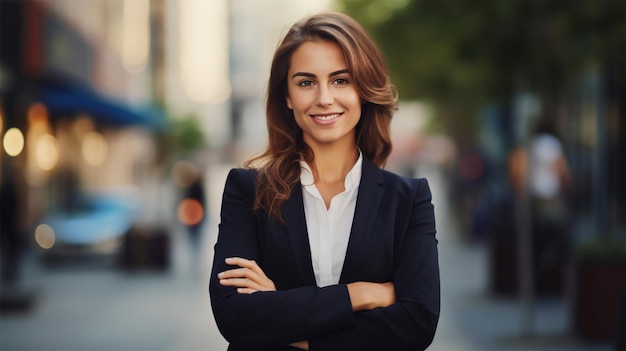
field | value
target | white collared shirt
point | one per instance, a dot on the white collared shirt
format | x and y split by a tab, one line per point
329	229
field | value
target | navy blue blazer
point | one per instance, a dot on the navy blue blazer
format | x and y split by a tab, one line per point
392	239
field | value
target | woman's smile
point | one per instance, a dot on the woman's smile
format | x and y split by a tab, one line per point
326	119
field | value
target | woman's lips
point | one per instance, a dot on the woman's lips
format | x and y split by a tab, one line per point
327	118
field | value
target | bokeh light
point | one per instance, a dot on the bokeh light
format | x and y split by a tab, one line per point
47	152
37	113
95	149
82	126
44	236
13	142
190	211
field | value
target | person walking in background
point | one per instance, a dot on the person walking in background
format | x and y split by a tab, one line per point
318	246
549	180
195	192
542	173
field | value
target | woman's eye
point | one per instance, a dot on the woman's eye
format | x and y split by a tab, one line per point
341	81
305	83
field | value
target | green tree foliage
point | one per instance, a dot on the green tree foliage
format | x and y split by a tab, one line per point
462	54
186	135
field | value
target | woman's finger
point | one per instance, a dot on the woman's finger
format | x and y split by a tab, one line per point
240	283
246	291
251	270
245	263
238	273
237	261
248	274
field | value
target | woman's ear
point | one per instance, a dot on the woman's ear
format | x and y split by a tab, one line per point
289	104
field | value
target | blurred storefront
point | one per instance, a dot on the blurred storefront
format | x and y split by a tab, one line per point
78	119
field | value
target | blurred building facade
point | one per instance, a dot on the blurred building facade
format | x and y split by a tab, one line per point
78	83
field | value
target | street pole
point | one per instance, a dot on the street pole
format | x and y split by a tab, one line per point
524	251
526	107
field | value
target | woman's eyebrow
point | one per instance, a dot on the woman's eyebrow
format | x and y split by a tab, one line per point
303	74
311	75
341	71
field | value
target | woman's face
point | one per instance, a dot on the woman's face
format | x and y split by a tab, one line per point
322	94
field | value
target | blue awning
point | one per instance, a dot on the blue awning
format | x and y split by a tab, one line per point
75	100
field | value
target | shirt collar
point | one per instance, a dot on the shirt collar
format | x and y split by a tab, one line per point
353	178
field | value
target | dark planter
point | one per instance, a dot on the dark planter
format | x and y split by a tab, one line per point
599	285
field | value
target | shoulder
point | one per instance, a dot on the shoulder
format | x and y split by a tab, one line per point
414	199
243	174
410	186
393	182
241	180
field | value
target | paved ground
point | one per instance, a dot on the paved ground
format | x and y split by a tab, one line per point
87	307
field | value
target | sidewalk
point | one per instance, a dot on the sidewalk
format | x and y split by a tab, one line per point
470	318
91	308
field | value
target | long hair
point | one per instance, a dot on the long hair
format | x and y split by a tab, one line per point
279	164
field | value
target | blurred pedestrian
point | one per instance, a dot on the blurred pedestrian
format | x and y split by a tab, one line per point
541	172
191	205
195	192
318	246
549	180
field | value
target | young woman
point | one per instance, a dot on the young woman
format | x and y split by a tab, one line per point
318	247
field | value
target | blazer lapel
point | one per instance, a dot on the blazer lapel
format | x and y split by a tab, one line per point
365	215
298	235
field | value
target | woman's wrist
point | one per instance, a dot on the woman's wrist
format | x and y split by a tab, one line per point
361	296
356	296
368	295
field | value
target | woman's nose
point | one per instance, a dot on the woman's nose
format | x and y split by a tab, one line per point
325	96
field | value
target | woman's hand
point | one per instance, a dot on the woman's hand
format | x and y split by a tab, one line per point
367	295
248	278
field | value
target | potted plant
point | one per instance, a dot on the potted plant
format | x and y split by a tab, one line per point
599	283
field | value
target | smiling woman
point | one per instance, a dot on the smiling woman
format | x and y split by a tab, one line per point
318	246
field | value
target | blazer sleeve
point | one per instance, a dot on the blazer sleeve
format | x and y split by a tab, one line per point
265	319
410	323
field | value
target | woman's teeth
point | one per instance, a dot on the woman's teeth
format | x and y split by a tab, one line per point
327	117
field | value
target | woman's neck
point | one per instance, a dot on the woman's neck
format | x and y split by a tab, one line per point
331	164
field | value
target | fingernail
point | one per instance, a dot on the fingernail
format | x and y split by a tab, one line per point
228	259
220	275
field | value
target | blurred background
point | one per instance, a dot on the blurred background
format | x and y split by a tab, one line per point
120	119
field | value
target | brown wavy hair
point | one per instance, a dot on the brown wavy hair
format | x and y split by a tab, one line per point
279	164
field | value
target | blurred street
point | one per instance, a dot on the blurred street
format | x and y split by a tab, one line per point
86	306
